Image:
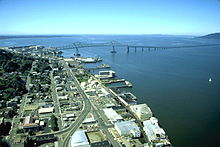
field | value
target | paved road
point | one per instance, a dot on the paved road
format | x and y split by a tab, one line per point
97	115
56	101
86	109
16	119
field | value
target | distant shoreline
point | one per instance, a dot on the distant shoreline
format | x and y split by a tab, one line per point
33	36
76	35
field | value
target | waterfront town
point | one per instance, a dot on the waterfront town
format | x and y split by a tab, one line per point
51	101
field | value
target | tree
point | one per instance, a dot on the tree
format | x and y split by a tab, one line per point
11	113
11	66
3	143
5	128
53	121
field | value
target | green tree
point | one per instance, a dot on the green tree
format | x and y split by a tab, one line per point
53	122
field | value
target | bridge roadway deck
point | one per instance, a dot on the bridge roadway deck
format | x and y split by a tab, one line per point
87	45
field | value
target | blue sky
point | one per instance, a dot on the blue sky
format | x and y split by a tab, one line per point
175	17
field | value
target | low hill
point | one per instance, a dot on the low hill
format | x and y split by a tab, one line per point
212	36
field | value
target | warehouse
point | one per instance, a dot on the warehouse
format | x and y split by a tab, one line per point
142	111
79	139
154	132
128	128
112	115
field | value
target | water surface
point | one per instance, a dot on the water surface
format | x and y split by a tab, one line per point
173	82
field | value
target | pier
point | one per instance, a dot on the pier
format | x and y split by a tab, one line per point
113	81
103	66
127	85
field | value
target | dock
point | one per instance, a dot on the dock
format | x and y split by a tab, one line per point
103	66
127	85
113	81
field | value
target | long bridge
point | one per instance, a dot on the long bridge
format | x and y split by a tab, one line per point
114	44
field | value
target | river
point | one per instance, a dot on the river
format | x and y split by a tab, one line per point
173	82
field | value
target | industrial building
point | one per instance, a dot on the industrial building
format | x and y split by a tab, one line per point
142	111
154	132
128	128
79	139
112	115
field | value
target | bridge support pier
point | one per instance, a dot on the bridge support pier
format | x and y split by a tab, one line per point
113	49
77	52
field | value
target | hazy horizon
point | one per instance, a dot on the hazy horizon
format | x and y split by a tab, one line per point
30	17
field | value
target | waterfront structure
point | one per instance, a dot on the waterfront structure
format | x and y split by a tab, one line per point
154	133
106	74
79	139
128	128
112	115
142	111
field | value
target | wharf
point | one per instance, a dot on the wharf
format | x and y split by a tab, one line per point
113	81
127	85
103	66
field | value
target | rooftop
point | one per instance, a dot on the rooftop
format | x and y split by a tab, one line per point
79	139
112	114
96	136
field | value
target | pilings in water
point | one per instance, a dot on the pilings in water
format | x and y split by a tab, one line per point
143	48
113	49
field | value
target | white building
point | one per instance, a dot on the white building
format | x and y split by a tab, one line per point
79	139
105	92
72	115
128	128
45	110
154	132
142	111
112	115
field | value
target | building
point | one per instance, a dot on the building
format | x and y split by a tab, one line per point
45	110
72	115
89	119
105	74
79	139
142	111
97	139
105	92
128	128
29	124
155	134
112	115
